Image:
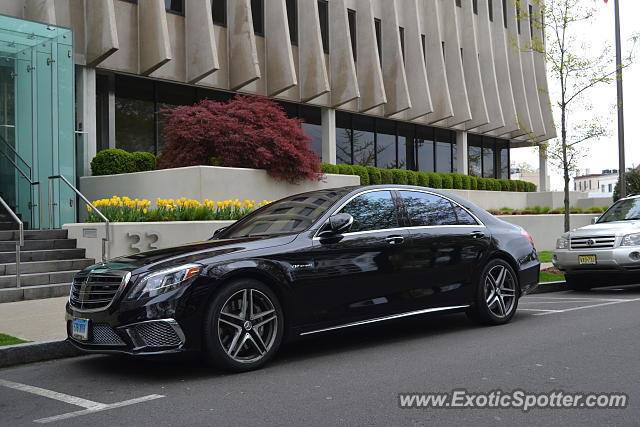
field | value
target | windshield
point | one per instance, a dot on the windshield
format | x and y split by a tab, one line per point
623	210
293	214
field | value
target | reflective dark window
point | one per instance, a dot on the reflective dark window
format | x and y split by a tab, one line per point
378	27
518	15
364	149
134	114
176	6
454	157
502	158
464	218
312	125
372	211
475	6
351	15
428	209
491	10
257	14
386	143
474	151
423	40
504	12
343	138
167	96
488	149
459	3
443	151
292	18
423	146
323	14
406	134
401	30
219	12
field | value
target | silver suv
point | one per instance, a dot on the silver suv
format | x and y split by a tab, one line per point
604	253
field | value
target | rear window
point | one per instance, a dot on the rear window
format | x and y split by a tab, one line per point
426	209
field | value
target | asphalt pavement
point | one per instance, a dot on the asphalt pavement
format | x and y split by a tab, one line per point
569	341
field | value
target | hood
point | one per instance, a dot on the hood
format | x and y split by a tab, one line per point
188	253
607	228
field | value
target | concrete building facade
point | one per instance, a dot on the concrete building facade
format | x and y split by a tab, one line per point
430	85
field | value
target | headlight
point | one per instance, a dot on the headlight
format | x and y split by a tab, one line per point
631	240
164	281
562	243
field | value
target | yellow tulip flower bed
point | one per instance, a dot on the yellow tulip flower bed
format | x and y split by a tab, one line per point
124	209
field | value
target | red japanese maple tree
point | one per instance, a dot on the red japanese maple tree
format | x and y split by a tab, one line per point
248	131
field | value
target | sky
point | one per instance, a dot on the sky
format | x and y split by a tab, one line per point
603	153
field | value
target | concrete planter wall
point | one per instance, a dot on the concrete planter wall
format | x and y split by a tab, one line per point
132	237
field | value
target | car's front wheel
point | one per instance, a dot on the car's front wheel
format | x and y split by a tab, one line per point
243	326
496	294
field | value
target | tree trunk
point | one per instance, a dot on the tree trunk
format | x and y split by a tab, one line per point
565	167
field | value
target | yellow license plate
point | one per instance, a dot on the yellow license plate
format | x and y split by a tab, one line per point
586	259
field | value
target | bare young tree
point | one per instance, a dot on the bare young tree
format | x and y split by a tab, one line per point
574	68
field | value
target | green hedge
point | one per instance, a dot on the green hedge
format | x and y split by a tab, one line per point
114	161
373	175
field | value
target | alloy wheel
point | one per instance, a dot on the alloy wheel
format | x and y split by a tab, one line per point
247	325
500	291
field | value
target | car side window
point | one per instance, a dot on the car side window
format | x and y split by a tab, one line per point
464	217
374	210
428	209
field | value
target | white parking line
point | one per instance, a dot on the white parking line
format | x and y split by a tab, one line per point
607	302
89	405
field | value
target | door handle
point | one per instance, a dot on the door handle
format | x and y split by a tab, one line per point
477	234
394	240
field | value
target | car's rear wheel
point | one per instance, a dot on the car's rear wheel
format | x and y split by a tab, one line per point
243	327
577	282
496	294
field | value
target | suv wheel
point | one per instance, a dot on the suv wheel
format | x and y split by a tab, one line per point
497	292
243	326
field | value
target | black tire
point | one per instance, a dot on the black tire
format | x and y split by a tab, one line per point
261	341
578	282
487	313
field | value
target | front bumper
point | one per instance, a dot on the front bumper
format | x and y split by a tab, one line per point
620	259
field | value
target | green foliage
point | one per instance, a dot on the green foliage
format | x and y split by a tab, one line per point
329	168
513	186
482	183
412	177
474	183
345	170
362	172
112	161
447	180
505	184
400	176
144	161
633	184
387	176
521	186
435	180
457	181
466	182
9	340
423	179
375	177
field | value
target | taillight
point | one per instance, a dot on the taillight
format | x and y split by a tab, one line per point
528	236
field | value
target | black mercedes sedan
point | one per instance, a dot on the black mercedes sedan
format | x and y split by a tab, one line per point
306	264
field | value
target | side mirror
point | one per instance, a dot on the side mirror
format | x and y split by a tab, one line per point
594	219
338	224
218	232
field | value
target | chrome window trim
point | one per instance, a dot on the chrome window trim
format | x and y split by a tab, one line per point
391	189
384	318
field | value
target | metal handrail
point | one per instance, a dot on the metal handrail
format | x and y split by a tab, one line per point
20	242
106	239
2	138
32	183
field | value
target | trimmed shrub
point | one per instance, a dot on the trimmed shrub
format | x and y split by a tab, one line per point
474	183
531	187
435	180
457	181
345	170
505	184
423	179
447	180
362	172
329	168
482	183
466	182
387	176
400	176
521	186
513	186
412	177
112	161
144	161
375	176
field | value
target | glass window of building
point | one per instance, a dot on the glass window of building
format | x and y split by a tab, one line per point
502	158
135	114
167	96
423	147
474	147
344	135
323	14
312	126
401	31
488	151
351	15
257	14
102	112
504	13
491	10
292	20
443	151
219	12
386	144
406	134
364	148
475	6
454	157
176	6
378	27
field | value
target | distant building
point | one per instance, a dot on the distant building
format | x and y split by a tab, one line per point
596	184
529	176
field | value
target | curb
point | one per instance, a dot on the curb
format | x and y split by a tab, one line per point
547	287
19	354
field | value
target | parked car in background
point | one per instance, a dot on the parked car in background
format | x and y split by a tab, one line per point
306	264
604	253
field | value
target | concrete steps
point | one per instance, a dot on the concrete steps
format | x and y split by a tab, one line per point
48	262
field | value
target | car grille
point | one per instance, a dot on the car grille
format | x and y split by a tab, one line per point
104	334
94	291
595	242
158	334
